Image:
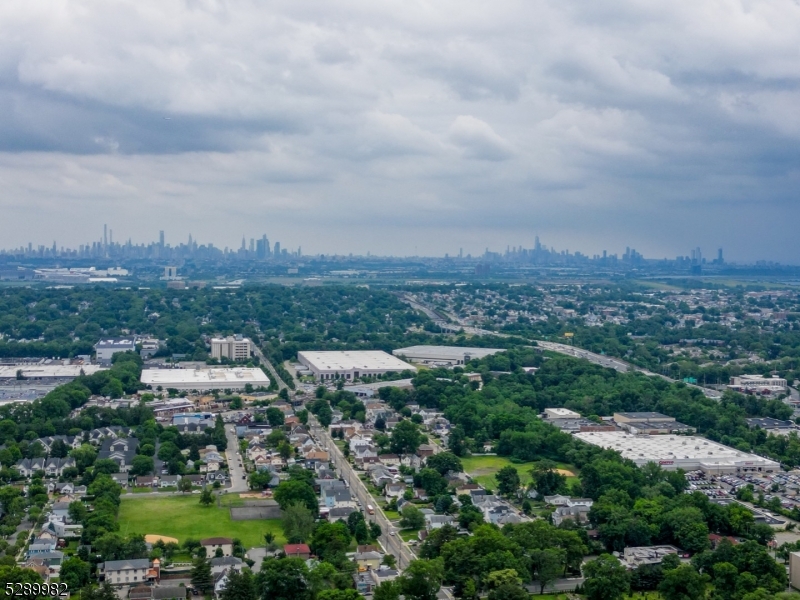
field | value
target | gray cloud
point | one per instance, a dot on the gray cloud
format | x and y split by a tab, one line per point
468	125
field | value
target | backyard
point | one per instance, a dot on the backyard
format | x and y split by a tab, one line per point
483	468
183	517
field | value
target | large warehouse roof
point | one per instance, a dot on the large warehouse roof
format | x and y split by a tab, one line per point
204	378
444	352
372	360
39	371
673	450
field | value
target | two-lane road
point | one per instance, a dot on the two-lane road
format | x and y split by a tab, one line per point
393	543
235	465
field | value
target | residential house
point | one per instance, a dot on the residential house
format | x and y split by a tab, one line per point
369	560
124	572
121	451
120	479
65	488
145	481
425	450
438	521
333	498
380	477
41	545
340	512
382	574
394	490
212	544
297	551
52	467
169	481
60	510
391	460
221	564
578	513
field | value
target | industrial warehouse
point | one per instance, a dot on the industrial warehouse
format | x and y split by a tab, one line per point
679	452
204	379
443	355
350	365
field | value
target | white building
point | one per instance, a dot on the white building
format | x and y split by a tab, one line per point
231	347
204	379
349	365
105	349
443	355
679	452
560	413
48	371
757	383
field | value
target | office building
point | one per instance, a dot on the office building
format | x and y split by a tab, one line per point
651	423
560	413
204	379
443	355
351	364
679	452
758	383
107	348
231	347
794	570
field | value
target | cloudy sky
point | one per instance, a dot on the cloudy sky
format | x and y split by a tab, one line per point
404	127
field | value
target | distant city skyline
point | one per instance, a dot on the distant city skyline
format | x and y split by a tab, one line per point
260	247
354	127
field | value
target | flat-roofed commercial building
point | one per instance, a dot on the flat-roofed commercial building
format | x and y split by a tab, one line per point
52	371
106	348
231	347
204	379
758	383
560	413
443	355
350	365
679	452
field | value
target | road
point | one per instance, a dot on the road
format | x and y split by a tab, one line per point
559	585
598	359
270	368
235	468
392	543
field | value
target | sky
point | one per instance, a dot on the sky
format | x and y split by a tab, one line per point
404	127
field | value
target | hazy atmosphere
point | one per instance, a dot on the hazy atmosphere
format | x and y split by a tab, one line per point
404	127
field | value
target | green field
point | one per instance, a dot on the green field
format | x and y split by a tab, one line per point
182	517
483	468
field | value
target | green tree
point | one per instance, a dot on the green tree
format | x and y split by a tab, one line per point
77	511
240	586
201	575
75	572
606	579
289	492
508	481
406	438
206	497
142	465
546	480
683	583
548	565
412	518
184	485
388	590
297	522
275	417
444	462
349	594
422	579
284	579
330	542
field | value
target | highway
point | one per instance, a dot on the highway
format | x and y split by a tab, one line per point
392	543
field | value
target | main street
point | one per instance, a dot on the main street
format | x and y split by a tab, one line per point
270	368
392	543
235	466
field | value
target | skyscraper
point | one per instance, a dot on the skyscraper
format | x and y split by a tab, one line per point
161	238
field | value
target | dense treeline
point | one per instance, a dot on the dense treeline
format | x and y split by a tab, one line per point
69	322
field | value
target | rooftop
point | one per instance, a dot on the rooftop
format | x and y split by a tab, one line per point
166	377
349	360
667	449
39	371
445	352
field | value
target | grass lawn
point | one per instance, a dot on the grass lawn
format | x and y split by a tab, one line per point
483	468
408	534
182	517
